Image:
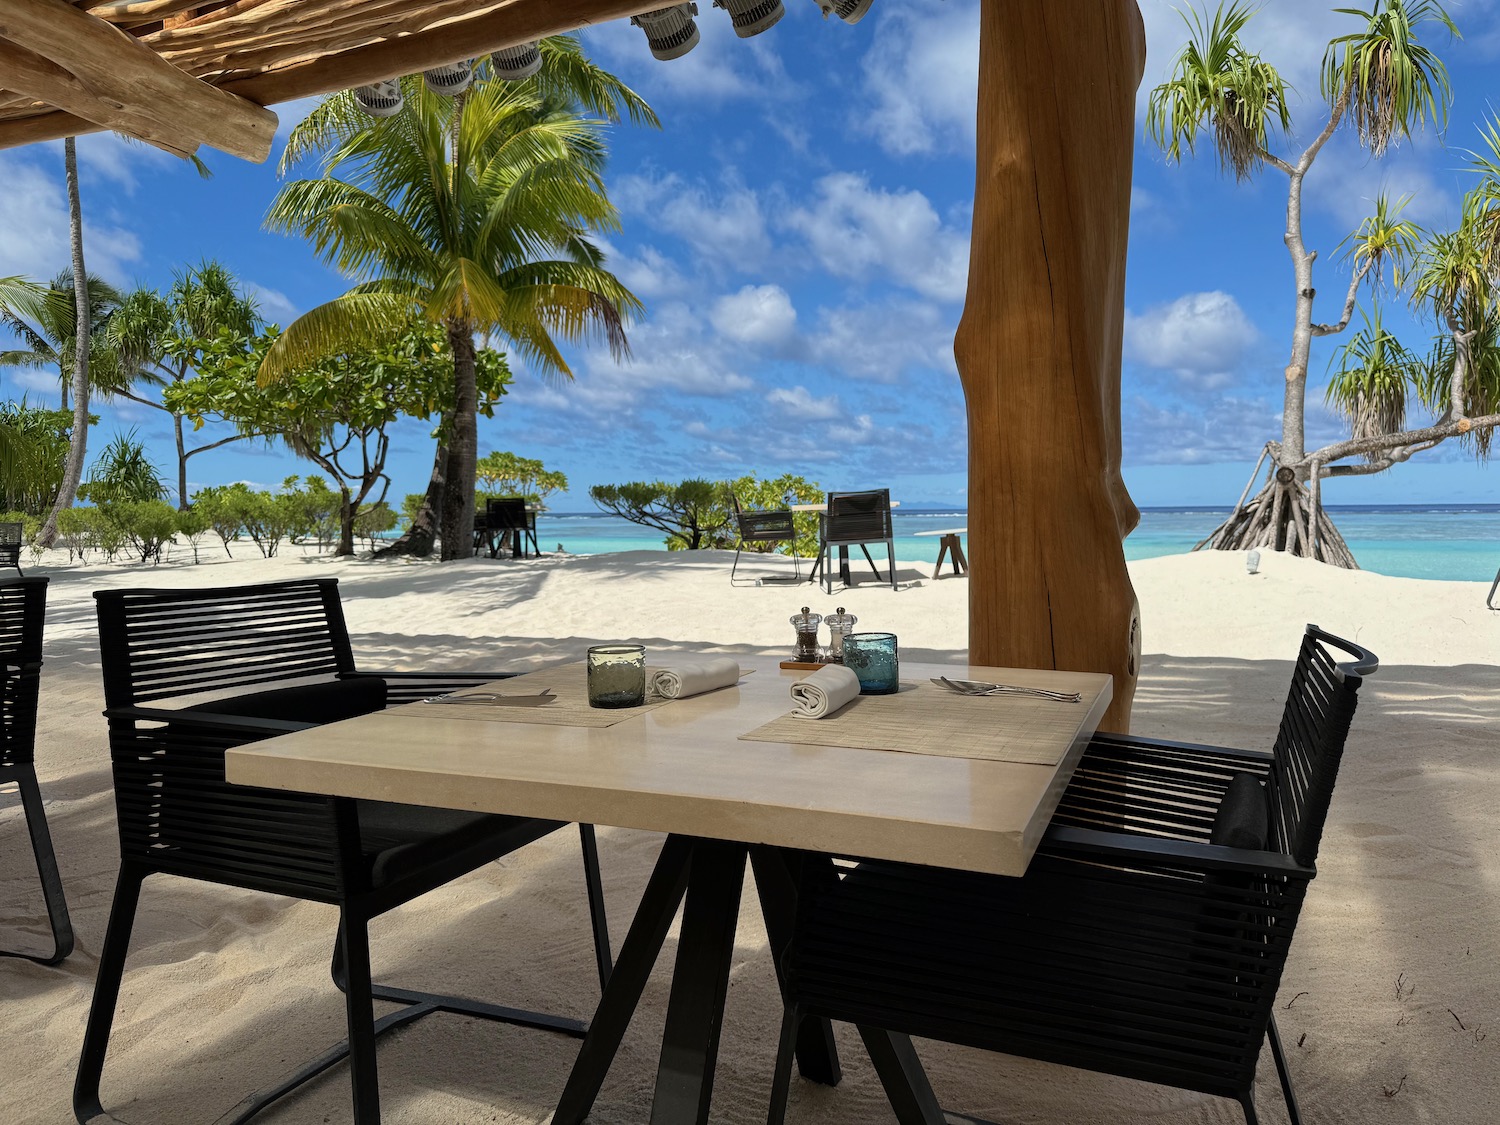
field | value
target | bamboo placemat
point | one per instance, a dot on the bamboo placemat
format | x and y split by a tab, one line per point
927	719
569	707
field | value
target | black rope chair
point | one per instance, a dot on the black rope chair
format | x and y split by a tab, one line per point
1148	936
763	527
855	519
178	815
23	609
11	536
508	516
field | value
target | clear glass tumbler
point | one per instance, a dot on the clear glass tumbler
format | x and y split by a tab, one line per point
873	658
617	675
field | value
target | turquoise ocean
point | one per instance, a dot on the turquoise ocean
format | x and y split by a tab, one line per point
1455	542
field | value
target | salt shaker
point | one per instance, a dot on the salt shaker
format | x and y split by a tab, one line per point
840	624
806	624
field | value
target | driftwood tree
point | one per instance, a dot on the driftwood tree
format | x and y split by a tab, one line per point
1387	83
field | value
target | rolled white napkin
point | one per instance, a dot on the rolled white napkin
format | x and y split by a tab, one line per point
694	677
824	692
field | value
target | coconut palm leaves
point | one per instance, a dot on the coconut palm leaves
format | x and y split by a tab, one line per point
1392	80
46	324
1217	83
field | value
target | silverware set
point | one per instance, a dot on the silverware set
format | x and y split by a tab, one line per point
979	687
495	699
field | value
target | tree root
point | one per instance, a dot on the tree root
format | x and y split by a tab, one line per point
1280	518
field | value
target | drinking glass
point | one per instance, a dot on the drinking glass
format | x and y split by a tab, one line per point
617	675
873	658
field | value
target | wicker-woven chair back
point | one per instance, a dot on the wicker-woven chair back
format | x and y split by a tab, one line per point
859	517
23	609
1310	743
763	527
508	514
175	811
10	544
161	644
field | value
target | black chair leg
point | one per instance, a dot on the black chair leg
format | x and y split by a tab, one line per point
870	559
890	554
735	565
597	914
1279	1055
1489	599
781	1080
86	1105
1247	1103
46	869
354	941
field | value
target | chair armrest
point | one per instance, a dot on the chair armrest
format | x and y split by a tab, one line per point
1119	847
208	720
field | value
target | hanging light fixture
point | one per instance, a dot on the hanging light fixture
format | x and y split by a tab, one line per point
379	99
670	32
515	63
850	11
751	17
451	79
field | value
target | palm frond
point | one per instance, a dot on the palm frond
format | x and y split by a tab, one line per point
1375	373
355	320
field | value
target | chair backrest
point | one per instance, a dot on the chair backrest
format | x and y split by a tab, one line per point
163	644
174	810
10	544
856	517
508	514
1310	743
23	609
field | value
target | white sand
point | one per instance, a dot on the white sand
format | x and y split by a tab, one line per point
226	990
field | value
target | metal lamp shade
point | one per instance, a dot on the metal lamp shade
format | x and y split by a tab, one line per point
379	99
451	79
512	64
670	32
751	17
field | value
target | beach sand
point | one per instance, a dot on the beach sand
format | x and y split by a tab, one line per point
1390	1006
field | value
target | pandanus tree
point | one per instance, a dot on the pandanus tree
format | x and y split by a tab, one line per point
474	212
1386	83
161	340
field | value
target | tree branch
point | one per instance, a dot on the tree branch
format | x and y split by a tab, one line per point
1392	443
1354	284
1310	153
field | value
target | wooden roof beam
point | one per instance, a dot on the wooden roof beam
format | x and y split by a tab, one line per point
127	80
39	79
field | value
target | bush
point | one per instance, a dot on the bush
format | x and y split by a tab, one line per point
372	520
80	530
147	525
226	507
193	524
694	514
772	495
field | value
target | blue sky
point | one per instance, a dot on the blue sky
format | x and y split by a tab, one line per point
798	231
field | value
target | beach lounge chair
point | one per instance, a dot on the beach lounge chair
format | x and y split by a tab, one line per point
178	816
763	527
1147	938
23	609
510	517
11	537
856	519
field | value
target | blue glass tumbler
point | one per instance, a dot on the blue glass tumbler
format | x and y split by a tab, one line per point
872	657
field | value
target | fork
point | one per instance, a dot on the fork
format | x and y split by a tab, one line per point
494	697
979	687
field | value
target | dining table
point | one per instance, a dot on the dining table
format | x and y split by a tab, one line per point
731	777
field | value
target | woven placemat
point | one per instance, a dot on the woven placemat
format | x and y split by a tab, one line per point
927	719
569	707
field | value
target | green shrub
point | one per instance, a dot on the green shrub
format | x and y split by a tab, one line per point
147	525
193	524
80	530
225	506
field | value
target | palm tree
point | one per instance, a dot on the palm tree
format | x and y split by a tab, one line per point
49	333
476	213
1388	83
161	339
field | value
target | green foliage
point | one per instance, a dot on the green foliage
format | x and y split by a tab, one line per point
411	504
33	453
226	507
1370	386
773	495
373	521
48	332
269	518
505	474
315	510
193	525
693	514
147	525
123	474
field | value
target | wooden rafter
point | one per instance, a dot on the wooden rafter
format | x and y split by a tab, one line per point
117	82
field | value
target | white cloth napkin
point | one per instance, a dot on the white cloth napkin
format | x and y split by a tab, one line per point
694	677
824	692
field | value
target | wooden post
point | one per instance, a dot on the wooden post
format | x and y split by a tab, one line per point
1039	344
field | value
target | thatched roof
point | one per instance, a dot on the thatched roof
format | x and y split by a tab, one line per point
180	73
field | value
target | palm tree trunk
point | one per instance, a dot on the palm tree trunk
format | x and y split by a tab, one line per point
182	495
417	540
463	448
77	446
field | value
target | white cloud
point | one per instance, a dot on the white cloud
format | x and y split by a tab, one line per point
800	403
274	305
34	217
1345	181
1201	337
882	342
649	273
921	77
860	232
758	315
722	67
726	227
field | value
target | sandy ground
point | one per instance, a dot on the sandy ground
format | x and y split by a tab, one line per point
1390	1006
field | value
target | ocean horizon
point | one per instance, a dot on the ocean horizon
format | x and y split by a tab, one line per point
1450	542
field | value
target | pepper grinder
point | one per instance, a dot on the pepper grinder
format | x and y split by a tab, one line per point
806	624
840	625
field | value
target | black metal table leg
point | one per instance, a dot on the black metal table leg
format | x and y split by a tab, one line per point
700	980
902	1076
777	875
632	968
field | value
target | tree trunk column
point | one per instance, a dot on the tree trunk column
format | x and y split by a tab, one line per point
1038	347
